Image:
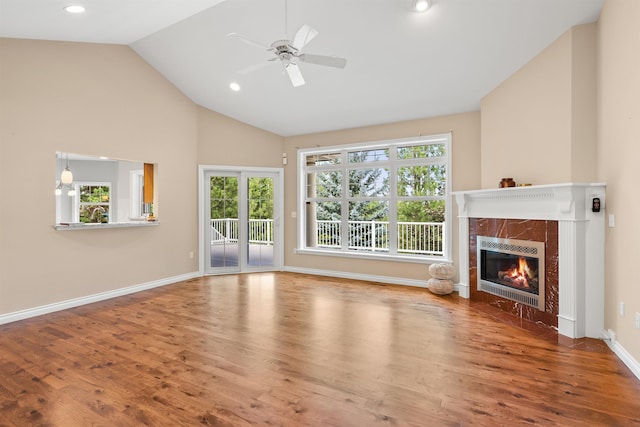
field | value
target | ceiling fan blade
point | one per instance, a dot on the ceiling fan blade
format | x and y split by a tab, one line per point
329	61
248	41
304	35
294	74
254	67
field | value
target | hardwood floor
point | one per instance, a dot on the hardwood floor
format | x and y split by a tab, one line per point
296	350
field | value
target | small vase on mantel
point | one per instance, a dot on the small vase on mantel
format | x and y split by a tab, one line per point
440	282
507	182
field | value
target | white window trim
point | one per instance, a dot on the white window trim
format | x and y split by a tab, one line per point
428	139
136	180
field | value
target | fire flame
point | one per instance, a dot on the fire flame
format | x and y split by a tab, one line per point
520	275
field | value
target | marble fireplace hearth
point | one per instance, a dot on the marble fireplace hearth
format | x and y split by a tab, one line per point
562	217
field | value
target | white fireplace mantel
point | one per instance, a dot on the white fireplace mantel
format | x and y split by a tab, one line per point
580	243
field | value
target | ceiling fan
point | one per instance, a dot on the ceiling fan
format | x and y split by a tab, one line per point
290	53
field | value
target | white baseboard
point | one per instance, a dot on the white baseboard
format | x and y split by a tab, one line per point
358	276
621	352
75	302
463	290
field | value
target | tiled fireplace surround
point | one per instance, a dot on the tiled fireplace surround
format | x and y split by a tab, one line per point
559	215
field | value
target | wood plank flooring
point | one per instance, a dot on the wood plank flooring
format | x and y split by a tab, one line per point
284	349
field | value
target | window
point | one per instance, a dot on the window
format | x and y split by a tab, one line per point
93	202
384	199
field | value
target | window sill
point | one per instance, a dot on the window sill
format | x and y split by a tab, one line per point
375	256
83	226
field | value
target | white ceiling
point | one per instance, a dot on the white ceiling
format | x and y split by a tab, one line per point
400	65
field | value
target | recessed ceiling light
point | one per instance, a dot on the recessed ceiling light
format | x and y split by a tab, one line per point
234	86
75	9
421	5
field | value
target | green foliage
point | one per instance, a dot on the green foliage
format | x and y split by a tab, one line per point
260	198
224	197
94	194
421	180
327	184
421	151
421	211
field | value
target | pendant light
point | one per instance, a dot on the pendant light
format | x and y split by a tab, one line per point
66	177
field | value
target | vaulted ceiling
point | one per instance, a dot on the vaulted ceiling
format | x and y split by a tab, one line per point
401	65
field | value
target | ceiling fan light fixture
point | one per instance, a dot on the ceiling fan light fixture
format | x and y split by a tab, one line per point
421	5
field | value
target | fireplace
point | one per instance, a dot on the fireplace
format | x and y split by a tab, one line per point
569	218
513	269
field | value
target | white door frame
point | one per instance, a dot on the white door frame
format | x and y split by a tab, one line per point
203	218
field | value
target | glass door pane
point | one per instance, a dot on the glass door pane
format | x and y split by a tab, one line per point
223	222
260	227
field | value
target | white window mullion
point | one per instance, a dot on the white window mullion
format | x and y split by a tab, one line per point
344	200
76	203
393	202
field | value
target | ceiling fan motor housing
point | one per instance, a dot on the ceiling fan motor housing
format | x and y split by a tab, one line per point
284	51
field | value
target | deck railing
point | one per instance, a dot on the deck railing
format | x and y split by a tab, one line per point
225	230
424	238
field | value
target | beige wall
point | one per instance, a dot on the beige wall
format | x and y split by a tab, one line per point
225	141
466	176
99	100
618	153
538	126
584	101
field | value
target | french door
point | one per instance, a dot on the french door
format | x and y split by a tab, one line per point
241	211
